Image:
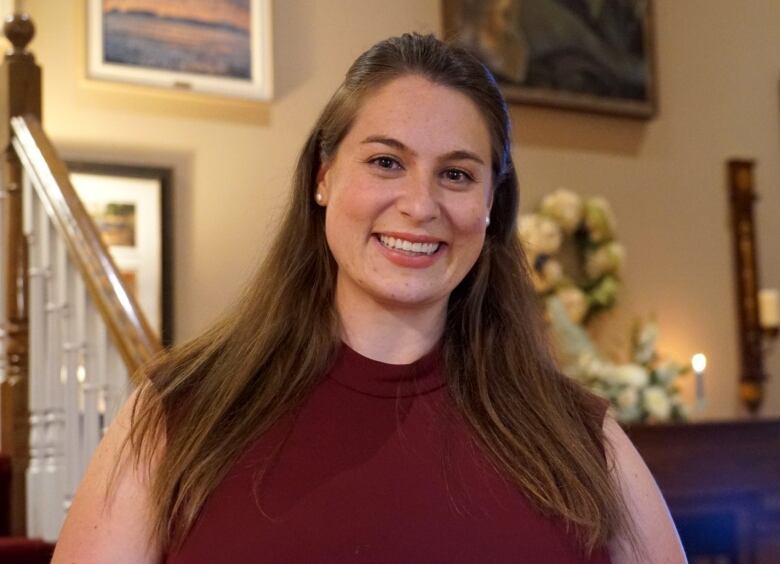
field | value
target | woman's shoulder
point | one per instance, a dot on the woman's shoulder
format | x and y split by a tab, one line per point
657	539
108	516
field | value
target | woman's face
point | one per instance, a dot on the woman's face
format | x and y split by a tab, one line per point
407	194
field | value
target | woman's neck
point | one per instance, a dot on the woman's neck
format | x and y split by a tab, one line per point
388	333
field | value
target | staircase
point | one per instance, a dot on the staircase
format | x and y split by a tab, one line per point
71	335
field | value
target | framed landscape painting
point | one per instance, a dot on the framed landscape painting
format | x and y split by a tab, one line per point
220	47
586	55
130	208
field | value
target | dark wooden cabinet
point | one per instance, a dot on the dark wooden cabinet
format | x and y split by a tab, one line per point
722	483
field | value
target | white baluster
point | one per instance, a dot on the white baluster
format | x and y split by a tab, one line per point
54	469
101	380
94	379
117	385
34	230
73	348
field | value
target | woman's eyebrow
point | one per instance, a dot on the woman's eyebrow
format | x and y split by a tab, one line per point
460	155
457	155
390	142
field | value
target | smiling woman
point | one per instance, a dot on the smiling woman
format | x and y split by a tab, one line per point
384	391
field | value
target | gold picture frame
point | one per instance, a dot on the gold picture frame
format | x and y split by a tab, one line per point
592	57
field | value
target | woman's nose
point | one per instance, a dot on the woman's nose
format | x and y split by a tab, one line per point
418	199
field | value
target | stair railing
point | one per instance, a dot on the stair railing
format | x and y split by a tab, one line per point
74	336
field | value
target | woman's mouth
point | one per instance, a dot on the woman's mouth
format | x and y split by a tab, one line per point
408	248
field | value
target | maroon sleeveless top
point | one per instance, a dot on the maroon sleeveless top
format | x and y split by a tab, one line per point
375	467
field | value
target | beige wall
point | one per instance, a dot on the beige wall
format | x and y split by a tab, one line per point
719	65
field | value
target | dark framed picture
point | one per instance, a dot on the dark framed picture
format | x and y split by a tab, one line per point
220	47
130	206
585	55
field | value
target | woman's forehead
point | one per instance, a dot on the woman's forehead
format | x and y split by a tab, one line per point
423	115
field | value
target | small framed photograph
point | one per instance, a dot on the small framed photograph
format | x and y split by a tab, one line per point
585	56
130	206
220	47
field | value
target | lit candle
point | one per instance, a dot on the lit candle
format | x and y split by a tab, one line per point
769	308
699	363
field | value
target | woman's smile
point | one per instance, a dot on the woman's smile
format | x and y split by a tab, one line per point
411	245
405	253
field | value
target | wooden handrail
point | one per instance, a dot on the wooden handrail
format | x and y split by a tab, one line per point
129	328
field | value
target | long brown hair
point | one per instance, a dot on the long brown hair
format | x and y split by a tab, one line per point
204	401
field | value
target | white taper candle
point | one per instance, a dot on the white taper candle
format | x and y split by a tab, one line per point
769	308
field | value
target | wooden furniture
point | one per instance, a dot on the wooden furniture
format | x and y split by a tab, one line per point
722	483
751	335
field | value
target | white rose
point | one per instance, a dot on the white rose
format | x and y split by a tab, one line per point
631	375
666	371
587	362
599	219
575	303
590	367
565	207
606	259
539	235
552	271
628	397
656	402
644	343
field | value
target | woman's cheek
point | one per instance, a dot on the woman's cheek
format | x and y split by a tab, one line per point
474	220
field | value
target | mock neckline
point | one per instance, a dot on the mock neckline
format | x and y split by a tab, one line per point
380	379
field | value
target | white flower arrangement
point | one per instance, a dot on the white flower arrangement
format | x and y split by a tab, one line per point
590	223
644	389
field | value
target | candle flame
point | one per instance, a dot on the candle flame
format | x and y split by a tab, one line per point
699	362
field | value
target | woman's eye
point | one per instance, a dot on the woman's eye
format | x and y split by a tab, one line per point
388	163
457	175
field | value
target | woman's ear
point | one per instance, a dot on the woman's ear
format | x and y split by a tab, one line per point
323	177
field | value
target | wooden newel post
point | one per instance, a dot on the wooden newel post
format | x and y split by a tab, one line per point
20	94
742	196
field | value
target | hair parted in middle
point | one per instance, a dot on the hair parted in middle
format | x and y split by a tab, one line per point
207	399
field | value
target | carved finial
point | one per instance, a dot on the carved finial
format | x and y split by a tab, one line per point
19	30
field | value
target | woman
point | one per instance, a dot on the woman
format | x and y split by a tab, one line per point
383	391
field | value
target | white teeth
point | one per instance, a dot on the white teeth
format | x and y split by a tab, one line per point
408	246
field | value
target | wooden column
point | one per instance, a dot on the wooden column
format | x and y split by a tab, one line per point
20	94
742	196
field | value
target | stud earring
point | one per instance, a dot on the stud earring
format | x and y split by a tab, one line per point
487	221
318	197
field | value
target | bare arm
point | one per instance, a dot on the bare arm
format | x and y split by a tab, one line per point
99	530
655	530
